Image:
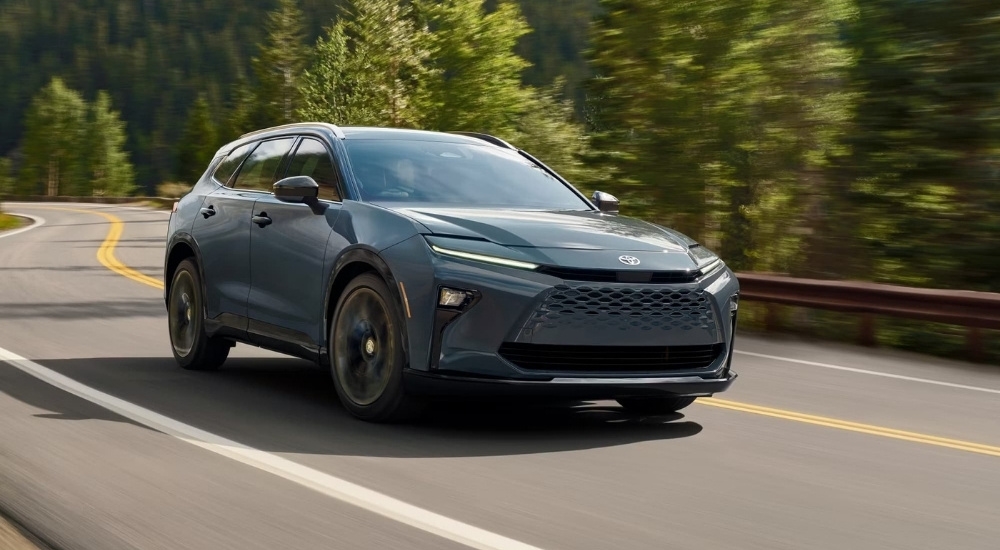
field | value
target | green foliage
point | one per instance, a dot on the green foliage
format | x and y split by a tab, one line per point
279	66
54	139
198	143
6	178
712	117
923	169
72	148
373	62
549	131
475	84
109	171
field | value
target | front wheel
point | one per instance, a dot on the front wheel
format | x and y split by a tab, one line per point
193	349
654	406
367	355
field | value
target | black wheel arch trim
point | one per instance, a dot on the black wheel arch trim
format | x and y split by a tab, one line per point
363	254
188	240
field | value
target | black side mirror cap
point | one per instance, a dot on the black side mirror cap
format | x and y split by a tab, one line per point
297	189
605	202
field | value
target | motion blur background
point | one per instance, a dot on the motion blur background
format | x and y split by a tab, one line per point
831	139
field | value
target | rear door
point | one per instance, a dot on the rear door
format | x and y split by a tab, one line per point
222	231
287	280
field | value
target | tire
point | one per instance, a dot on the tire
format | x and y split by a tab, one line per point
366	352
654	406
193	349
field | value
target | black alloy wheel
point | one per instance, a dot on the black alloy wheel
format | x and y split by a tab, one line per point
193	349
367	355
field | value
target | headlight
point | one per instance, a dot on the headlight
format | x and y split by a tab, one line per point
496	260
705	259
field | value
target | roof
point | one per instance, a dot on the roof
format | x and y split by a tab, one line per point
369	132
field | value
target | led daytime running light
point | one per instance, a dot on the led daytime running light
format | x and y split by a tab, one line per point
481	258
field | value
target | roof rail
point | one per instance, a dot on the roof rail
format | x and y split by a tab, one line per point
488	138
299	125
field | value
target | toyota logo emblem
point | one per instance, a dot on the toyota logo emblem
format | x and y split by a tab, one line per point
628	260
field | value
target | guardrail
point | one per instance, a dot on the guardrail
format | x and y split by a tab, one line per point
974	310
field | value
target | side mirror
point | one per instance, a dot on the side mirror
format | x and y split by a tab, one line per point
297	189
605	202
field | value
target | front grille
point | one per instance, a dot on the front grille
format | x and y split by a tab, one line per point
613	276
623	308
541	357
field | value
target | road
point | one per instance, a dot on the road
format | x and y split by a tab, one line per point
816	446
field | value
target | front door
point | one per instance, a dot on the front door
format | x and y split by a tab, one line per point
287	292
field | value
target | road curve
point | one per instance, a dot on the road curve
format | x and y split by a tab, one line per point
816	446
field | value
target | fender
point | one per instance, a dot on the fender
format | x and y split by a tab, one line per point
358	253
187	239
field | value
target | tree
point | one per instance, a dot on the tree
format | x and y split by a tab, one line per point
108	166
198	143
55	134
6	181
476	84
923	174
380	52
279	65
327	85
549	131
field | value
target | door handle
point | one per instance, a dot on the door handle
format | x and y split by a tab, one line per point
261	219
208	212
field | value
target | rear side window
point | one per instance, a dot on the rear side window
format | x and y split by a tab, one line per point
312	159
259	171
228	167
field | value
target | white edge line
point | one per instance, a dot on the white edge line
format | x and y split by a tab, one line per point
38	222
310	478
870	372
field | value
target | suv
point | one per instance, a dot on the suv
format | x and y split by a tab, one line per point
420	264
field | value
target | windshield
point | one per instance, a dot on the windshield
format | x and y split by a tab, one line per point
454	174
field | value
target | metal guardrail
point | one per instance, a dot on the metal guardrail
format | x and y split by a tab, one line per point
974	310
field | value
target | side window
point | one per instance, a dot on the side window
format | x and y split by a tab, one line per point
228	167
259	171
312	159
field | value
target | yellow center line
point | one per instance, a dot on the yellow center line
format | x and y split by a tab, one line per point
853	426
106	255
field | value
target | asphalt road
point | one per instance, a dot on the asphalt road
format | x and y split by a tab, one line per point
816	446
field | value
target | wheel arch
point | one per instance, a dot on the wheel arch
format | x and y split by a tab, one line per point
183	248
352	263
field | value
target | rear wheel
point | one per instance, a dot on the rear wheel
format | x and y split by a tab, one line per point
193	349
653	406
367	355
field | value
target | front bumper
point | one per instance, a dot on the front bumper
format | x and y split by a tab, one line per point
534	333
442	385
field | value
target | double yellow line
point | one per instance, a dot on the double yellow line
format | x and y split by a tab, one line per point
106	255
854	426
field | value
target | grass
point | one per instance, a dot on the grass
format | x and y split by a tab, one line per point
10	222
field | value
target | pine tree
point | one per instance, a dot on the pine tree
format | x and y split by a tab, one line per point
6	180
327	86
198	143
476	85
278	67
382	72
54	137
109	169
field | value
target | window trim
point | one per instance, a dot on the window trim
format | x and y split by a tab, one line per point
333	162
282	166
239	167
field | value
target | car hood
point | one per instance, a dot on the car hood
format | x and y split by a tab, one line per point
582	230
